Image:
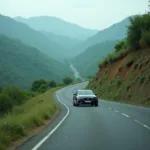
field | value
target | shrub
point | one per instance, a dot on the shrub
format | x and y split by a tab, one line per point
119	46
67	80
128	87
145	39
16	95
120	69
141	65
142	78
30	94
36	84
135	66
6	103
129	63
119	82
138	24
43	88
52	84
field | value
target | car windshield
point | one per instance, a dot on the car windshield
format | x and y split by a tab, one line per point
85	92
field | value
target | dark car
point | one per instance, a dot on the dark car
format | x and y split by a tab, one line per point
85	97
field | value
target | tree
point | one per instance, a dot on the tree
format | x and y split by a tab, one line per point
120	45
145	40
36	84
43	88
139	24
6	103
52	84
67	80
16	95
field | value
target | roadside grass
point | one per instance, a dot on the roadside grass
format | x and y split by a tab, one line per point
26	117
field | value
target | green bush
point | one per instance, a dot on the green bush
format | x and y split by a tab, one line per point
67	80
128	87
135	33
119	82
120	69
22	119
135	66
129	63
119	46
16	95
145	39
36	84
30	94
6	103
43	88
142	79
52	84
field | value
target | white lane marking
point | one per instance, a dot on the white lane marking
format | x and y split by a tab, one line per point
142	124
116	111
146	126
109	108
138	122
125	115
51	132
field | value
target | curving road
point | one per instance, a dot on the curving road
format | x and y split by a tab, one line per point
111	126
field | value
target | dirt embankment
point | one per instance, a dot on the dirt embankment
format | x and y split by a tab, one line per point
127	80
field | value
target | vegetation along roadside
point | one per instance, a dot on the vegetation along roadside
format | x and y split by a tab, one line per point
22	112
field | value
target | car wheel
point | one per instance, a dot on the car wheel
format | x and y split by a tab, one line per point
77	104
74	104
96	104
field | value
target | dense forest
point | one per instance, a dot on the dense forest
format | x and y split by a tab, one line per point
20	64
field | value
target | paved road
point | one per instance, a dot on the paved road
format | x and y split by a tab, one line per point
111	126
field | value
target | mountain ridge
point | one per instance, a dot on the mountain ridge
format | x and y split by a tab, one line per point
57	26
22	64
29	36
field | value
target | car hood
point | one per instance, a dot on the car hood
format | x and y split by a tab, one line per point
86	96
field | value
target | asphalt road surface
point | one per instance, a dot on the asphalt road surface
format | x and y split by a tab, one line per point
111	126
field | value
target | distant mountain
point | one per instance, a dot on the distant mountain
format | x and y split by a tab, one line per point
115	32
65	41
87	62
21	64
57	26
23	32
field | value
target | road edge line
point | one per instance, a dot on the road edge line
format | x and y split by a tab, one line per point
56	127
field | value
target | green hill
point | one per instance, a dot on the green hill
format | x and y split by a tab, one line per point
57	26
124	75
27	35
87	62
115	32
21	64
65	41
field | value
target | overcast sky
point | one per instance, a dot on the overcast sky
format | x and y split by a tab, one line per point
94	14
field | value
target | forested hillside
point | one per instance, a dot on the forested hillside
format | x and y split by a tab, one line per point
29	36
87	62
20	64
124	75
115	32
66	42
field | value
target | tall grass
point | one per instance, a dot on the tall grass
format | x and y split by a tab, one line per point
24	118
